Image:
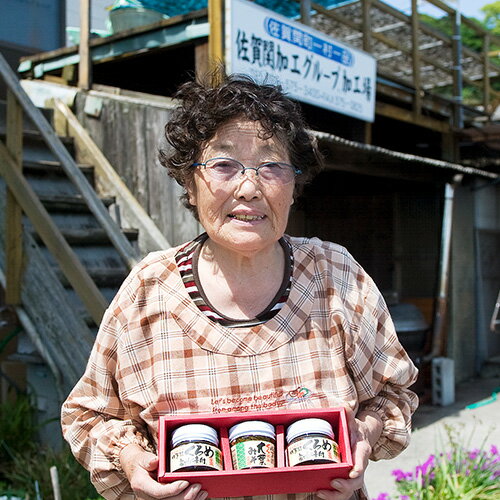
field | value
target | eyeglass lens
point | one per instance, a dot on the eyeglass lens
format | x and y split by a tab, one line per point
228	169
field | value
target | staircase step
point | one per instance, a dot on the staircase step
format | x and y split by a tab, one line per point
27	123
103	277
48	185
92	257
54	167
65	220
93	236
33	134
55	203
35	148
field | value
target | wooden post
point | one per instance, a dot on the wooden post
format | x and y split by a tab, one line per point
367	26
13	212
417	84
216	35
84	66
305	12
201	65
368	133
367	46
457	72
486	73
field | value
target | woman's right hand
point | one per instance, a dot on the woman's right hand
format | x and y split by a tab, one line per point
140	465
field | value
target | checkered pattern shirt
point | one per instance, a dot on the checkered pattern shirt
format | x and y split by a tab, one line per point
333	343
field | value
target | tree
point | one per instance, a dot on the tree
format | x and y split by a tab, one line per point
492	17
471	39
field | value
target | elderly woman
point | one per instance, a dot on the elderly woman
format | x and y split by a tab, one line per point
242	311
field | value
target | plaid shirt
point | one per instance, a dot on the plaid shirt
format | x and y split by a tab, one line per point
333	343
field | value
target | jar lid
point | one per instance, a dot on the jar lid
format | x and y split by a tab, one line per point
309	426
252	428
195	432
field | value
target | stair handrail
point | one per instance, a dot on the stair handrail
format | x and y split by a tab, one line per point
109	179
53	239
117	238
21	194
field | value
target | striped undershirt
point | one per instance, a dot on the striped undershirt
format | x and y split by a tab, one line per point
187	263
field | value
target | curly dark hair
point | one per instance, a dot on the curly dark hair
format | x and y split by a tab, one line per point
205	107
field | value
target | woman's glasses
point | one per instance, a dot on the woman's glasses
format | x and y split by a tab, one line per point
228	170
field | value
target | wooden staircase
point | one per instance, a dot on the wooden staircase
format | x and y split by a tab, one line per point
63	234
78	226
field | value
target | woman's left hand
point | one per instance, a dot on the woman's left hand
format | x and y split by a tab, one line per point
364	431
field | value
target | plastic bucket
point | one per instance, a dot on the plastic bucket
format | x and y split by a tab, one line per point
130	17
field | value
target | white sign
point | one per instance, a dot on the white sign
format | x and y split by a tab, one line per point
310	66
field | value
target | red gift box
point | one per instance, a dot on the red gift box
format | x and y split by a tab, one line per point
251	482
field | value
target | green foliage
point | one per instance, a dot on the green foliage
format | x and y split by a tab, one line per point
23	461
26	468
470	37
492	17
17	429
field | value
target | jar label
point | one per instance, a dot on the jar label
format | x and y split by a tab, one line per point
195	454
312	448
253	453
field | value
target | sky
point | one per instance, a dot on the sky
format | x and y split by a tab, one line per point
469	8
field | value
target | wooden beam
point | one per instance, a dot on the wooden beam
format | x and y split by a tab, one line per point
367	25
13	211
457	72
449	147
201	63
405	115
368	133
216	35
486	73
336	17
415	39
70	265
84	65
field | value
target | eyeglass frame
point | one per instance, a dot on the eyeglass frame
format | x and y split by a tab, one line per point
295	170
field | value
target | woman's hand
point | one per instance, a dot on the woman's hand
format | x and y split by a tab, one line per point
364	431
139	466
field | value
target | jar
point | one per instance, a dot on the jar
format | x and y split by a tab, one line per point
253	445
311	441
195	447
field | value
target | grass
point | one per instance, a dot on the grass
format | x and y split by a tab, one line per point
25	464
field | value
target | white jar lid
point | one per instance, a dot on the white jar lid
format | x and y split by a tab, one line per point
195	432
252	428
309	426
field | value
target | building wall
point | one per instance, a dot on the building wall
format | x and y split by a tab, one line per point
32	24
461	338
28	27
130	133
487	239
391	227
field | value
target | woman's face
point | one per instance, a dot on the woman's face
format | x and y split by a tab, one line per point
245	215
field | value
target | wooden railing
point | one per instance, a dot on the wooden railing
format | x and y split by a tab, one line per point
413	51
108	180
22	198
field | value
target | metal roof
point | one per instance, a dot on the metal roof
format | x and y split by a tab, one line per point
352	155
